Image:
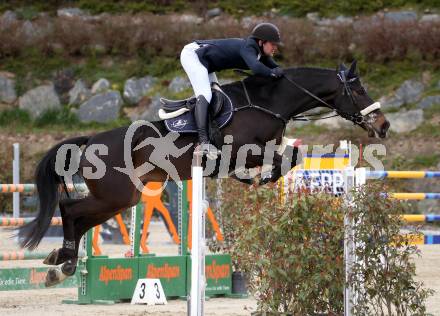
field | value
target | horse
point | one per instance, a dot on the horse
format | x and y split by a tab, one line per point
262	107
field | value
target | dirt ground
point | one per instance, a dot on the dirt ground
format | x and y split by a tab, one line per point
49	302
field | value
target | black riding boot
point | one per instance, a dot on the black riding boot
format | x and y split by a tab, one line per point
201	116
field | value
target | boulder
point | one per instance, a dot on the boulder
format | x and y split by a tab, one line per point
429	18
7	88
39	100
102	85
405	121
179	84
429	102
401	16
135	89
79	93
9	17
410	91
70	12
101	108
212	13
151	113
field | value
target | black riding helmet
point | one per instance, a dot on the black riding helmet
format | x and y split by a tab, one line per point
267	32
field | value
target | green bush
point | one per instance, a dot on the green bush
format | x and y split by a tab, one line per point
383	274
292	252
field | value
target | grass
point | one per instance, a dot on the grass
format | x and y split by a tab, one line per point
19	121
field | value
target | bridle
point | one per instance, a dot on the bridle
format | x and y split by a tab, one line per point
357	118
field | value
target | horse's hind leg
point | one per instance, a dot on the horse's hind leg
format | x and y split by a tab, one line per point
81	215
67	252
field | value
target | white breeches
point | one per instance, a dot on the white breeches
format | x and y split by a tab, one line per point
197	73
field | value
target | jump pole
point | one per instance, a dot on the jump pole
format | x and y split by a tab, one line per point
198	281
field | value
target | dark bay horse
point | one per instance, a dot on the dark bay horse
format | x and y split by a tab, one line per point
300	90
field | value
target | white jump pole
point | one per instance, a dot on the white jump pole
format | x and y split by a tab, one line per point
16	180
197	294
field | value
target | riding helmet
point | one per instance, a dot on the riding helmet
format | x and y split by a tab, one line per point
267	32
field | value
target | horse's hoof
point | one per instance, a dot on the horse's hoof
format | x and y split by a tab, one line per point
69	268
54	276
265	180
52	258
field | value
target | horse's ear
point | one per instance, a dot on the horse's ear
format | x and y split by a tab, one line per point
352	71
341	67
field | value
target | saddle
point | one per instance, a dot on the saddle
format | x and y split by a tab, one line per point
215	106
178	114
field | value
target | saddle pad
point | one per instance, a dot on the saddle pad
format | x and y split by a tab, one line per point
186	123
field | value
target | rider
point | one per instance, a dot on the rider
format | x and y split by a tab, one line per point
200	60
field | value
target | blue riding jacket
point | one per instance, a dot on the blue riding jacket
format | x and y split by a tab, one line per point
229	53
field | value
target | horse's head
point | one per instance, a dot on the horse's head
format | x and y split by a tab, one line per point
353	103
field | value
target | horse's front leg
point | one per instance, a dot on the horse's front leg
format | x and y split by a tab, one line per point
271	173
281	165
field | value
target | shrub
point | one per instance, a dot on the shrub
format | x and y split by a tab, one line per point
383	273
292	252
148	35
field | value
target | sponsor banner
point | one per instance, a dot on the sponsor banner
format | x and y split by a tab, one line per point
28	279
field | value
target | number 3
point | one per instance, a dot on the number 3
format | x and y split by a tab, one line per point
157	290
142	294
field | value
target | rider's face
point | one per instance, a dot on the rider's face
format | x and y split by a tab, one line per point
269	48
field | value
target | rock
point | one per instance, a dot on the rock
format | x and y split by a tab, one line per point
430	18
189	18
135	89
249	22
334	122
7	88
153	106
340	20
146	109
29	29
39	100
405	121
101	108
390	102
179	84
410	91
213	13
429	102
70	12
102	85
9	17
79	93
401	16
344	19
313	16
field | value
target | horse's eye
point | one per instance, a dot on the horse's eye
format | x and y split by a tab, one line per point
361	91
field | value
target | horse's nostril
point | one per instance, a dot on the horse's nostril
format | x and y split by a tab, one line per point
385	126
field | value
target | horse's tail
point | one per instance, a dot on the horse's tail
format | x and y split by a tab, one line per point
47	181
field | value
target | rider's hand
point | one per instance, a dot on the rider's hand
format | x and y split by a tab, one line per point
277	72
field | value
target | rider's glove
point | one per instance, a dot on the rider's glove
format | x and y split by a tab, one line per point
277	72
